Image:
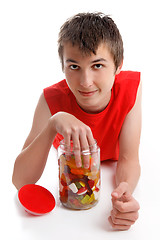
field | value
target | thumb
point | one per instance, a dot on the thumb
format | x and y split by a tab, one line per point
122	189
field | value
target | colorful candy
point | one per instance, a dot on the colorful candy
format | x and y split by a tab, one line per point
73	187
77	171
82	191
79	188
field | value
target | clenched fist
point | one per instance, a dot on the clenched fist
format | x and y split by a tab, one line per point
125	208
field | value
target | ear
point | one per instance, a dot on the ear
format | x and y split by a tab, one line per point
119	68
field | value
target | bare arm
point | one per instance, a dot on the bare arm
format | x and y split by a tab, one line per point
31	161
125	207
128	167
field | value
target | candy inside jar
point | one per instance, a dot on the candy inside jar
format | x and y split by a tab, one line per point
79	188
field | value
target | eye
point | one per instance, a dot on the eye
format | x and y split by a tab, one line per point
73	67
98	66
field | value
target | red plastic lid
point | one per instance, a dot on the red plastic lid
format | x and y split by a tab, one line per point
36	199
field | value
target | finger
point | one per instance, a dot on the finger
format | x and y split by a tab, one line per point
85	150
67	143
77	150
93	149
95	156
117	226
123	188
131	216
90	137
67	139
121	221
85	156
124	207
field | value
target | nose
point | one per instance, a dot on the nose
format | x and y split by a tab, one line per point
86	79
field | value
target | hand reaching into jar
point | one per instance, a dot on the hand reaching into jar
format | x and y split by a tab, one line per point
73	129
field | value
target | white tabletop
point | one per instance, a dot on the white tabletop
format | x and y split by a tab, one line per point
63	223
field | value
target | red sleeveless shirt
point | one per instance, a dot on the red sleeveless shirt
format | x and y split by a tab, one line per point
106	125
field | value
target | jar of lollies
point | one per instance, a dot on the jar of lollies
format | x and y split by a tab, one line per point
79	188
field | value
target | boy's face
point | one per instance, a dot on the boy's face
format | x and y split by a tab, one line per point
89	77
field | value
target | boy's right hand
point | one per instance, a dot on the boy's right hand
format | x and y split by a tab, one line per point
73	129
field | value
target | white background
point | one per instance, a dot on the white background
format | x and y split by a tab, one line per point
28	63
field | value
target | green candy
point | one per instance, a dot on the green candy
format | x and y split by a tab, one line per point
78	185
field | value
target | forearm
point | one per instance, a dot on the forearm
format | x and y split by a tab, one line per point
128	171
30	163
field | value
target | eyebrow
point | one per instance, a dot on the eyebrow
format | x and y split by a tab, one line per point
94	61
71	60
99	60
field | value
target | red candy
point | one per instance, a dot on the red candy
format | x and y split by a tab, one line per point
82	191
91	183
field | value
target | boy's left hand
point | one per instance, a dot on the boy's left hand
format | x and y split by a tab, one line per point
125	208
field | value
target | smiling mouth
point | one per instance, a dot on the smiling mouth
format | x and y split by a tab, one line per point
91	93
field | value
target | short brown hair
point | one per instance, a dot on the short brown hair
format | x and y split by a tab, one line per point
88	30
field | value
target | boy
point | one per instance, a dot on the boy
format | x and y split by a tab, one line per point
96	101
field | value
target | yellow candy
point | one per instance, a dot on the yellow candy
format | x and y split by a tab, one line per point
91	198
82	184
85	199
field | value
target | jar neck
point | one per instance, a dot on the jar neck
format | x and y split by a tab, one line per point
70	149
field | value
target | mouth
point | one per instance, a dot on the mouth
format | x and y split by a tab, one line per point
87	94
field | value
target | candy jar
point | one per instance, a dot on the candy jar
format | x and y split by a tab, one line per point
79	188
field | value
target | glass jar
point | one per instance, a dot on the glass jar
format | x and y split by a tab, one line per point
79	188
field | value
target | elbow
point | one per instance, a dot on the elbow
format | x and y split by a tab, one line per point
15	182
19	179
16	179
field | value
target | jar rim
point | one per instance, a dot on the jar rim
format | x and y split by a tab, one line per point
69	148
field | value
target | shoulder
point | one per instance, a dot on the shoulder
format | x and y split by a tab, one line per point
56	89
56	95
126	87
127	81
126	78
